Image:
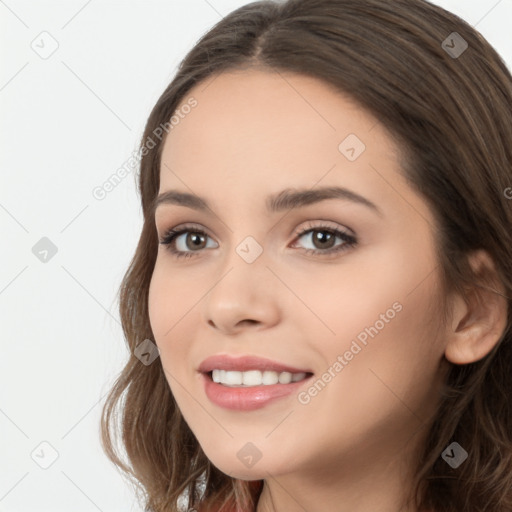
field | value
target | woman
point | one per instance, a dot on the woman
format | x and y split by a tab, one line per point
341	341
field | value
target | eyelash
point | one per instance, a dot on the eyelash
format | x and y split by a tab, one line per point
350	241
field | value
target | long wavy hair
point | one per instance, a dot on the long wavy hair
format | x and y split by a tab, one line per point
451	116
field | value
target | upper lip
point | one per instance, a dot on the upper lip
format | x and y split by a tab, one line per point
245	363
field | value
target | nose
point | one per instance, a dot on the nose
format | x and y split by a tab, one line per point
244	297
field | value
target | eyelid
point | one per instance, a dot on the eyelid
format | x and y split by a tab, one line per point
310	224
188	226
323	224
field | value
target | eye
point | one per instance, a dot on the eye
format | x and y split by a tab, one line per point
195	240
321	236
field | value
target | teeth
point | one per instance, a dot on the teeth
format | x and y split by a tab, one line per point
298	376
269	378
254	378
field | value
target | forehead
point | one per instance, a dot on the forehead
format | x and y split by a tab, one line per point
256	131
243	112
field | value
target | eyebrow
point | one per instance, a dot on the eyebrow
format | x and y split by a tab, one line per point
284	200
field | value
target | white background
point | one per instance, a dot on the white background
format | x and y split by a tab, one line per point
68	122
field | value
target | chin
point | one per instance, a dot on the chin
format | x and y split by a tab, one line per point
235	467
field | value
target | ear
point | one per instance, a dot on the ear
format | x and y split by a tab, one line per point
478	322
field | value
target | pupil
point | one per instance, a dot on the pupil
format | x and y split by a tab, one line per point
321	237
196	238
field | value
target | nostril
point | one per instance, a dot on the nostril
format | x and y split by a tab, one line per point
248	321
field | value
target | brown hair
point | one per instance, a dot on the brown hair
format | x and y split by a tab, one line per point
451	116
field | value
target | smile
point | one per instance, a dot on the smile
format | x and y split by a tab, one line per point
254	377
249	382
241	397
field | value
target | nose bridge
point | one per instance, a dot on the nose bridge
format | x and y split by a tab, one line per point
245	265
246	239
242	292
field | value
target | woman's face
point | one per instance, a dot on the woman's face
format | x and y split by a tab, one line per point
354	314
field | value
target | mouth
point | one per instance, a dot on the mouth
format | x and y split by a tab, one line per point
234	365
249	397
247	383
254	378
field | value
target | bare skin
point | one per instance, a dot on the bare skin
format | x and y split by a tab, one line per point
353	445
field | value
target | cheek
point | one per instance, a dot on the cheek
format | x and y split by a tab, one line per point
164	316
170	338
172	318
171	299
388	372
387	336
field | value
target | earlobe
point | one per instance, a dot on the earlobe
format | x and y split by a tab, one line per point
478	322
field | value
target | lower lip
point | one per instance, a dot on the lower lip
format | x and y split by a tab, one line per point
250	398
